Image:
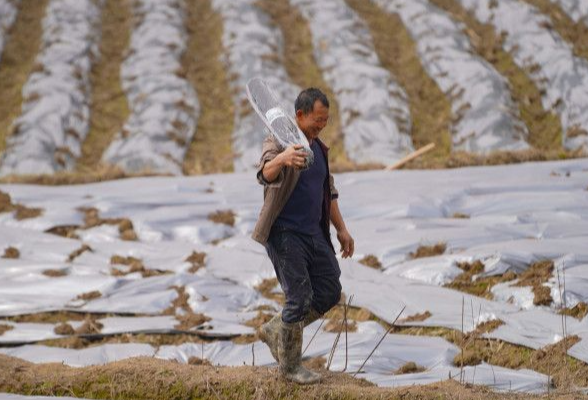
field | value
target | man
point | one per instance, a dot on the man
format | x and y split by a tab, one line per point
294	226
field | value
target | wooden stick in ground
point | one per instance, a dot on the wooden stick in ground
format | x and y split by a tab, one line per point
380	342
336	340
313	336
346	306
411	156
462	342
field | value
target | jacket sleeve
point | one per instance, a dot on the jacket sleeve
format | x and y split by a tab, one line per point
334	191
269	151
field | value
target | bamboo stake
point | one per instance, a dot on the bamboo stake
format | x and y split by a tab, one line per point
411	156
313	336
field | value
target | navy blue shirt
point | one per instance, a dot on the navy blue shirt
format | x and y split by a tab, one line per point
303	211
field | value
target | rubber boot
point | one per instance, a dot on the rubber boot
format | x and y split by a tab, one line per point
268	332
290	355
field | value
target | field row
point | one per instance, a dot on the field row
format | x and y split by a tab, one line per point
99	82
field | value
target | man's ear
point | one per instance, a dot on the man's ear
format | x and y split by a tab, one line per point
299	114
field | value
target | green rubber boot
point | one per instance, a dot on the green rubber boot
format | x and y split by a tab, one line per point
268	332
290	355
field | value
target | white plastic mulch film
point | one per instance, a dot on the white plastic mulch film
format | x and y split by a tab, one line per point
8	12
518	215
562	77
163	105
374	110
253	48
486	117
48	135
277	120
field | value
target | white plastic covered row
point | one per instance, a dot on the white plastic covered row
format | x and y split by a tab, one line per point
432	353
519	214
163	105
561	76
375	116
8	12
254	48
486	117
576	9
49	133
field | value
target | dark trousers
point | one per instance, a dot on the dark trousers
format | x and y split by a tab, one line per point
307	270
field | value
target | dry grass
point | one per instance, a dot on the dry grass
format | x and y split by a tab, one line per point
180	302
100	173
55	273
89	327
64	329
409	368
198	260
94	294
575	33
155	340
226	217
416	317
459	215
333	325
429	251
190	320
579	311
210	150
92	219
153	379
544	126
76	253
198	361
17	62
52	317
20	212
429	107
304	72
11	252
5	328
535	276
109	108
266	287
371	261
135	265
481	286
260	319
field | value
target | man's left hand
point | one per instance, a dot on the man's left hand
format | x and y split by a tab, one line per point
347	244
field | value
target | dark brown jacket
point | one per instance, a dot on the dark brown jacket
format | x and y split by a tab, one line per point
277	193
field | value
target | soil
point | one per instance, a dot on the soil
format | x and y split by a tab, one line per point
153	379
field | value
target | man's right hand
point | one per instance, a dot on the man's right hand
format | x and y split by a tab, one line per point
293	157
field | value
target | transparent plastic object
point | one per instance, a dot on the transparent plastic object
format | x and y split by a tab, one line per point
279	123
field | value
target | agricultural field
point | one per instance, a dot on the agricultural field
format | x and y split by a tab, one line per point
128	195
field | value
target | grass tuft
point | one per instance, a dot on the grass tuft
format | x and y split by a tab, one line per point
429	251
371	261
226	217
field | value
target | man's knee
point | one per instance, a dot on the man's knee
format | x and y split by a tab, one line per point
328	298
296	309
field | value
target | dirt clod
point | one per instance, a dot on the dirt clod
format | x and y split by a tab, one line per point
226	217
64	329
11	252
429	251
55	273
371	261
197	260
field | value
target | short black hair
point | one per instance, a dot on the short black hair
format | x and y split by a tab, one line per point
306	99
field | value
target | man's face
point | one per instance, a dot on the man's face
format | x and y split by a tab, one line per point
312	124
